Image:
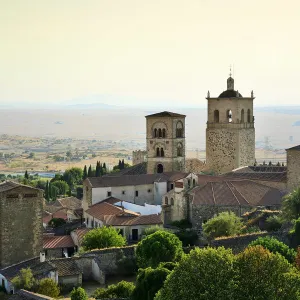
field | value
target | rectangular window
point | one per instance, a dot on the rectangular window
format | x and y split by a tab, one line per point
123	192
172	186
136	193
149	191
108	194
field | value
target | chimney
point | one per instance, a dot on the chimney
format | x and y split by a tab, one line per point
42	256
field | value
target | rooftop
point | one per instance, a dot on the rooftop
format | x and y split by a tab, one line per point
153	219
230	94
66	266
294	148
166	114
10	185
54	242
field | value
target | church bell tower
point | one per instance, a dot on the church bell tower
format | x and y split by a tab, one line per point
230	133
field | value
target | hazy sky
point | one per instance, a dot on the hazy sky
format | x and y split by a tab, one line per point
155	51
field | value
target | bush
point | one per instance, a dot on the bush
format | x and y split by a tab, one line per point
48	287
149	282
79	294
104	237
187	237
273	223
291	205
160	246
182	224
168	265
24	280
224	224
56	222
126	265
275	246
123	289
251	229
152	229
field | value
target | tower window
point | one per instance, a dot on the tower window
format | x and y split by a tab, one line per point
248	116
216	116
162	153
160	168
155	132
179	129
157	152
229	116
166	201
159	132
242	116
164	133
136	193
172	201
179	149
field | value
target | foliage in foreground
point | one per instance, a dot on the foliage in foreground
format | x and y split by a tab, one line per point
78	294
291	205
149	282
224	224
104	237
48	287
123	289
275	246
273	223
24	280
209	274
160	246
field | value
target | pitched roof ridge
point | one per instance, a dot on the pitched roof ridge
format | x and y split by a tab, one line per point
21	262
228	184
240	192
213	193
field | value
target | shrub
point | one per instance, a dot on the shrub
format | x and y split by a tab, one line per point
48	287
168	265
160	246
79	294
152	229
275	246
104	237
123	289
251	229
273	223
24	280
56	222
126	265
291	205
187	237
182	224
224	224
149	282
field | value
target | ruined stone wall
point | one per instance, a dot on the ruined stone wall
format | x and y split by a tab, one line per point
293	169
138	157
21	226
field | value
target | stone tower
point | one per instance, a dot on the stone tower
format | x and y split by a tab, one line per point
230	133
165	142
21	225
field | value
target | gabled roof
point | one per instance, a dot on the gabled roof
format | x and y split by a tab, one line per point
66	266
235	193
70	203
133	220
60	214
81	232
10	185
294	148
125	180
138	169
101	209
55	242
166	114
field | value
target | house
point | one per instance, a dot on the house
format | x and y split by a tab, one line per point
130	223
58	246
217	195
78	235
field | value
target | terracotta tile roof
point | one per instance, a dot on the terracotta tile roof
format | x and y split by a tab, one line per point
38	268
237	192
81	232
263	176
294	148
101	209
9	185
71	203
54	242
61	214
125	180
111	200
66	266
166	114
173	176
131	220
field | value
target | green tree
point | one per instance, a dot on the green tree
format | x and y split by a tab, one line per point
263	275
204	274
48	287
103	237
79	294
122	289
161	246
73	176
90	172
275	246
85	174
273	223
62	187
149	281
291	205
56	222
224	224
47	196
26	175
24	280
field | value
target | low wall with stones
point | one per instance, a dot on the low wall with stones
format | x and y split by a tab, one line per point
239	243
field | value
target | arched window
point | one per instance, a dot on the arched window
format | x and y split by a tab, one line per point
162	153
159	133
179	149
160	168
248	116
157	152
194	182
242	116
179	129
172	201
229	116
164	133
216	116
189	183
155	132
166	201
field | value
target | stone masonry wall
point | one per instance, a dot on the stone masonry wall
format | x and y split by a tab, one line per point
20	225
246	144
293	169
138	157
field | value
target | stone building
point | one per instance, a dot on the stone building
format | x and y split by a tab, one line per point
165	142
139	156
293	167
21	229
230	133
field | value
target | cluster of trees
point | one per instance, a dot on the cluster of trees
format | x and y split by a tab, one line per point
120	166
99	171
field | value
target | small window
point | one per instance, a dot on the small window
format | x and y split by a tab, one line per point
136	193
155	132
172	201
149	190
216	116
108	194
248	116
162	153
189	183
87	221
123	192
194	182
86	188
166	201
172	186
159	132
164	133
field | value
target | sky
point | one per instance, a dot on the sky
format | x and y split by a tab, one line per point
141	52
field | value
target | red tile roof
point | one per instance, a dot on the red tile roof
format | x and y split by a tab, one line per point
55	242
132	221
81	232
61	214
